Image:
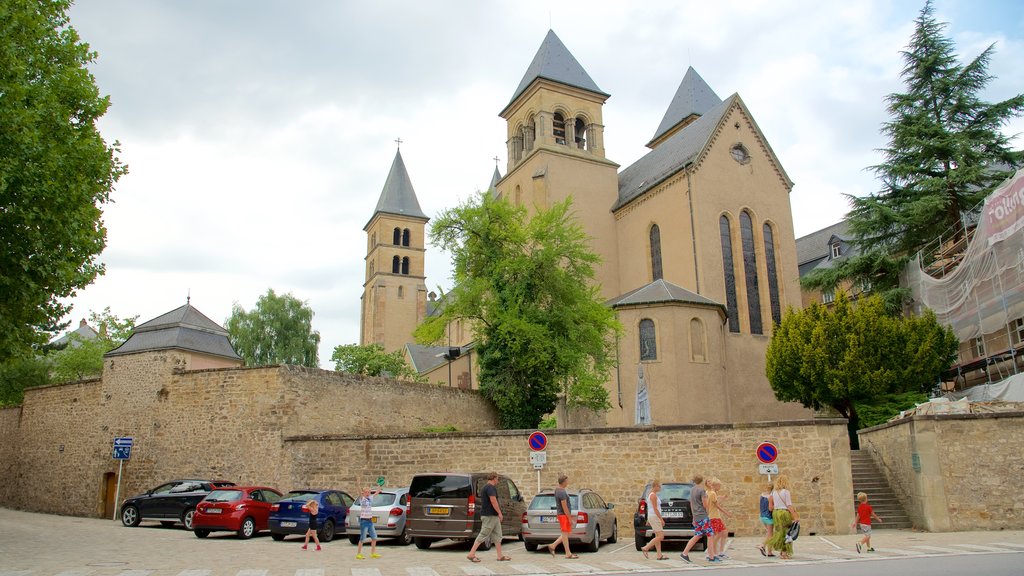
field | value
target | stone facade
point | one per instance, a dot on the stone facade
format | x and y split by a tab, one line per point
954	471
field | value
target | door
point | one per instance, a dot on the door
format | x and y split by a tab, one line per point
512	507
109	495
158	503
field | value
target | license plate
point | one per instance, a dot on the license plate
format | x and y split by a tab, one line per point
214	511
436	511
544	519
288	524
374	519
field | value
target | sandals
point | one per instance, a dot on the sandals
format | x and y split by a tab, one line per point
762	550
504	559
552	550
473	559
572	557
662	558
645	553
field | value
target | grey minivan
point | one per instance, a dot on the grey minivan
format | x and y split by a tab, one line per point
447	505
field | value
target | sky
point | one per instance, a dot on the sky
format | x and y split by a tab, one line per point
258	134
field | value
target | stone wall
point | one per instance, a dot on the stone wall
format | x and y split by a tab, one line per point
9	418
614	462
954	471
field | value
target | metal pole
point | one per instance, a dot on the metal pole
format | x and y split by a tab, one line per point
538	480
117	491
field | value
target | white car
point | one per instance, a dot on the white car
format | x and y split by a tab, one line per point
389	509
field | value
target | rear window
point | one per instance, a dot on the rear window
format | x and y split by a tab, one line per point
224	496
675	492
547	502
302	495
440	486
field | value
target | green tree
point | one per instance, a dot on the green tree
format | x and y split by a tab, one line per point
83	357
526	285
279	330
56	171
19	373
945	147
372	360
845	355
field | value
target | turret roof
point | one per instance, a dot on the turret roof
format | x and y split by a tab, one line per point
693	97
398	196
554	62
183	328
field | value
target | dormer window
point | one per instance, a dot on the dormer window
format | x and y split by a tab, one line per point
558	128
835	248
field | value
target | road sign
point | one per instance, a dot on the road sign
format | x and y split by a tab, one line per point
767	452
122	448
538	458
538	441
768	469
380	481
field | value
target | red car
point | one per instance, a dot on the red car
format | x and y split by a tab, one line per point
240	509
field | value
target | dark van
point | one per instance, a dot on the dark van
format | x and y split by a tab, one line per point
447	505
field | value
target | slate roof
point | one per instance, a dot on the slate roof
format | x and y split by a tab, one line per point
398	196
426	358
814	250
554	62
84	332
495	178
671	155
661	291
183	328
693	96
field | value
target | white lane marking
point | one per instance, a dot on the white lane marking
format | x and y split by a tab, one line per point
898	551
135	572
622	548
830	543
803	556
577	567
365	572
471	570
853	553
421	571
982	548
194	573
77	572
630	565
527	568
941	550
251	573
1009	544
309	572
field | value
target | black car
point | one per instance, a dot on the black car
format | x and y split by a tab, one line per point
675	509
171	502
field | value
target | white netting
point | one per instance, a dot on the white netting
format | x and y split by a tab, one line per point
983	292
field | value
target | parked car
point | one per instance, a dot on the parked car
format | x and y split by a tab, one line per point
243	510
446	505
595	520
675	509
291	516
389	509
171	502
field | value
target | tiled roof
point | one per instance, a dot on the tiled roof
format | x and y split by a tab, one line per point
671	156
398	196
815	244
84	332
693	96
183	328
661	291
554	62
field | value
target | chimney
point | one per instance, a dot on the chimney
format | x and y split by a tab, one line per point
82	324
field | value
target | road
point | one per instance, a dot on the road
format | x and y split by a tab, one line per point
47	545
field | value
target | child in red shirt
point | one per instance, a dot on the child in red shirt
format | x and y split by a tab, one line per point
864	515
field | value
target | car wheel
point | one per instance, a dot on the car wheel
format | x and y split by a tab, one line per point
130	516
404	538
327	532
248	528
638	538
614	536
423	543
277	537
167	523
530	546
187	516
595	544
354	540
201	533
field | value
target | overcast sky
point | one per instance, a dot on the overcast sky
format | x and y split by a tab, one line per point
259	134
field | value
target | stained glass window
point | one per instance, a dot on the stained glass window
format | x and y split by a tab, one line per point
773	277
750	272
656	272
648	346
730	274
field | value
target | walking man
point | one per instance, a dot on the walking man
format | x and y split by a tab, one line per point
490	520
701	521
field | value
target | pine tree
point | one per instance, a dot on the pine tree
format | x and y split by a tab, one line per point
945	154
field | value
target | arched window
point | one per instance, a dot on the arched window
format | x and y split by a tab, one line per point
750	272
405	265
401	292
558	128
398	237
395	265
519	196
698	341
656	271
730	274
773	277
405	237
581	134
648	344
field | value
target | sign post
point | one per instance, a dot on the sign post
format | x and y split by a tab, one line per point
122	452
538	441
767	453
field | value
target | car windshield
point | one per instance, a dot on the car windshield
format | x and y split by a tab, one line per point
547	502
382	499
224	496
675	492
302	495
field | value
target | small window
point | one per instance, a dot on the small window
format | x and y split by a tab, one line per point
405	237
836	250
648	344
401	291
558	128
405	265
398	237
828	296
396	264
978	344
698	341
740	154
1018	331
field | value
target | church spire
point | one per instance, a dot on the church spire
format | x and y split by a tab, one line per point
554	62
398	196
693	98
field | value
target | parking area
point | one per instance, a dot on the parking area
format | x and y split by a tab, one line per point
46	545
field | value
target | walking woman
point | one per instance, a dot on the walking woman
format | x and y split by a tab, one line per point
655	520
783	516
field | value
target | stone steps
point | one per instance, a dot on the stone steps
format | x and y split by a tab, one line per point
868	479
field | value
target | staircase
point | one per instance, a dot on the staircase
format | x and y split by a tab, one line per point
868	479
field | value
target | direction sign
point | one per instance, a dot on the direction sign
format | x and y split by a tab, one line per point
122	448
380	481
767	452
538	441
768	469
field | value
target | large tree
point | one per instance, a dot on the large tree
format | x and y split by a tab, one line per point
526	284
847	354
56	171
372	360
83	357
946	153
279	330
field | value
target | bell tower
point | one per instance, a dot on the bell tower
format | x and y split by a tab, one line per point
394	300
556	150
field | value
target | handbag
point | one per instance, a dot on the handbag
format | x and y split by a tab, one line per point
793	533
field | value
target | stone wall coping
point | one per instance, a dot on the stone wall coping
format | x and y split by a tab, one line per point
69	383
556	432
923	417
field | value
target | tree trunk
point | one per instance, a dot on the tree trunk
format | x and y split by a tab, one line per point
852	425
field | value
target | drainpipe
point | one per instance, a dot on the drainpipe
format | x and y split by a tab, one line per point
693	231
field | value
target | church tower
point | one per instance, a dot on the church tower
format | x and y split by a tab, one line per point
556	150
394	300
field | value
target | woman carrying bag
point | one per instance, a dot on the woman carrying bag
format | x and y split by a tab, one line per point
783	516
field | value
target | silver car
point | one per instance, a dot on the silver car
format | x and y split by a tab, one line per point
595	520
389	509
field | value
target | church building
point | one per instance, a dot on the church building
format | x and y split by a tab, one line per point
696	241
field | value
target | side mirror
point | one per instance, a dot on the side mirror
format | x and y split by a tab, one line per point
610	506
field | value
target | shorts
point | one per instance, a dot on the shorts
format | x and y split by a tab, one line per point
767	520
865	529
656	524
717	525
563	523
703	527
366	529
490	529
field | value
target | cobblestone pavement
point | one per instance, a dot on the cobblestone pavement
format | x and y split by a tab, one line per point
47	545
